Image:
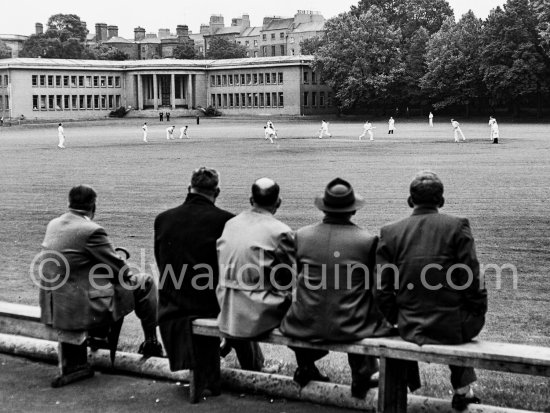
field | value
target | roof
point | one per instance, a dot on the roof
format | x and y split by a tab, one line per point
153	40
226	30
251	32
12	37
116	39
181	64
309	27
280	24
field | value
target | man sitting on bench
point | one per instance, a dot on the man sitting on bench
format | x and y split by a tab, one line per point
429	279
84	283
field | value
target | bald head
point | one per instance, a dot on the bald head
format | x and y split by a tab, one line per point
265	193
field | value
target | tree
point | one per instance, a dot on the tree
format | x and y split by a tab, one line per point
66	26
221	48
514	65
185	51
409	15
360	58
39	45
542	8
311	45
5	51
105	52
453	61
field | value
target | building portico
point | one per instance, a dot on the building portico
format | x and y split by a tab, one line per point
175	90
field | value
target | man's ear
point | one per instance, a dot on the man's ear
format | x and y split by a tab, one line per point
217	192
251	201
189	189
410	202
279	202
442	202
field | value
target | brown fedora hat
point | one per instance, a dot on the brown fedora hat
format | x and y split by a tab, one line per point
339	197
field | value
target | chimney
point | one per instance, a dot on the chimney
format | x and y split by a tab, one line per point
39	28
164	33
205	29
216	22
182	30
100	32
112	31
139	34
245	21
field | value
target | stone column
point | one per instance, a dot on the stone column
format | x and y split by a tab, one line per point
140	92
189	94
155	92
173	91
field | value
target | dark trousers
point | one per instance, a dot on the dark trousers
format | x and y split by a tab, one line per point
462	376
249	354
362	367
146	303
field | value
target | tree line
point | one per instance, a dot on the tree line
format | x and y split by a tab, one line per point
414	54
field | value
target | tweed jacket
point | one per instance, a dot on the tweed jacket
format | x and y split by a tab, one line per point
334	298
253	293
91	294
433	302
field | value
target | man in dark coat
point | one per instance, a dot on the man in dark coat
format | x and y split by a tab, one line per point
185	251
334	302
429	278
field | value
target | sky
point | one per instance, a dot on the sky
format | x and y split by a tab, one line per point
20	16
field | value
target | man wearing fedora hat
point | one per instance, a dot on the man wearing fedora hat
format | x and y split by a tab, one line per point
334	302
429	282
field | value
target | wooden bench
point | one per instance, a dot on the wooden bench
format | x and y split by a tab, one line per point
392	351
73	363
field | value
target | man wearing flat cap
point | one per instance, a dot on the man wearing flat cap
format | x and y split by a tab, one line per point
334	302
185	245
429	278
256	260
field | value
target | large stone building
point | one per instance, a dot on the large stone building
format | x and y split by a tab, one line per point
60	89
13	42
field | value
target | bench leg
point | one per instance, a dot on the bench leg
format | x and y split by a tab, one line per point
73	364
392	390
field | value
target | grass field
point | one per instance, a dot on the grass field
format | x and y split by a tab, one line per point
504	189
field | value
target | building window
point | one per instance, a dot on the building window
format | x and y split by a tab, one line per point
65	81
249	99
280	78
51	102
96	102
248	79
103	81
50	81
282	47
261	78
103	102
213	99
313	78
255	100
224	80
322	99
246	43
218	80
81	104
274	99
42	80
236	99
264	51
110	82
6	80
66	102
243	100
231	100
281	100
96	81
264	37
255	78
58	102
219	99
273	53
267	78
255	43
243	80
34	102
89	102
118	101
58	81
230	80
261	100
43	103
272	36
236	79
73	81
212	80
268	99
255	53
88	81
74	99
281	36
117	81
313	99
80	81
35	80
306	77
306	95
274	78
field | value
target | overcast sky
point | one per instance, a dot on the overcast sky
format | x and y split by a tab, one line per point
21	15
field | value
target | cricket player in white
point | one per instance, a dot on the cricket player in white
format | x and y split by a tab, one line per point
269	134
431	119
457	129
324	130
494	129
183	132
170	132
367	128
391	126
61	136
144	127
272	127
